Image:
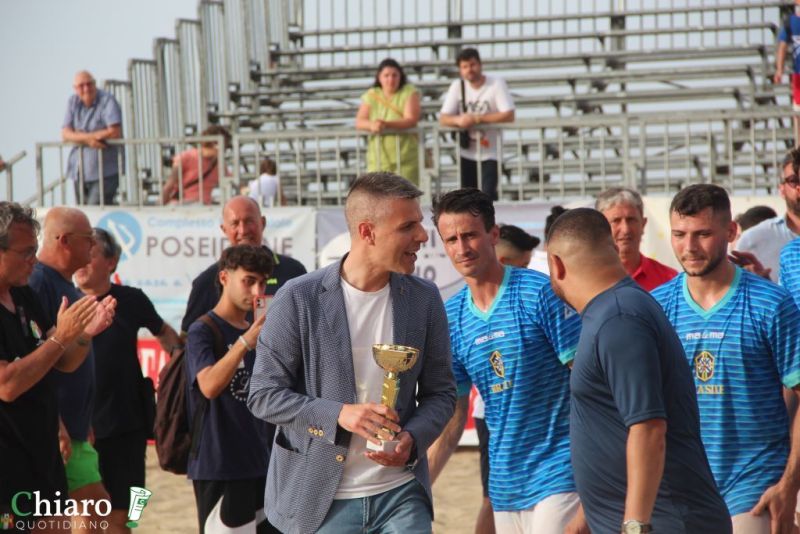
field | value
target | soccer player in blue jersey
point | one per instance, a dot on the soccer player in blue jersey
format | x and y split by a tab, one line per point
637	455
741	335
512	338
790	269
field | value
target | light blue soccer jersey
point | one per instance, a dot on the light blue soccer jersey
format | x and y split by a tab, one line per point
516	355
790	269
740	351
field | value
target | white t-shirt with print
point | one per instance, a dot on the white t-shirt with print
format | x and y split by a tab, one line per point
370	321
491	97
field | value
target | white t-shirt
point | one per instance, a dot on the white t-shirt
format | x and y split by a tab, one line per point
539	262
370	321
491	97
765	240
264	190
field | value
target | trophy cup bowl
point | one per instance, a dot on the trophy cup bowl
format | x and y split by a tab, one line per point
393	359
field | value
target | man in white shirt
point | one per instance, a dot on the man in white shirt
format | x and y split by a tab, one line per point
486	100
766	239
316	379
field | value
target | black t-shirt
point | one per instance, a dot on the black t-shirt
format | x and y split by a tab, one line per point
76	389
205	293
118	406
29	425
629	368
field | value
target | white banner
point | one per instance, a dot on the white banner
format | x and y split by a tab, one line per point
163	250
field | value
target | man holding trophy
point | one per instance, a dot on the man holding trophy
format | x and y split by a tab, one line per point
353	366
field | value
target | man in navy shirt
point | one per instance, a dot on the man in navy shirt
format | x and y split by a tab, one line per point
66	247
638	461
230	468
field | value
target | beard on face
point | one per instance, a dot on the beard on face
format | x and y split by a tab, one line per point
712	264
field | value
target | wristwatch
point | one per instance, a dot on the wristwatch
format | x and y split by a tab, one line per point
632	526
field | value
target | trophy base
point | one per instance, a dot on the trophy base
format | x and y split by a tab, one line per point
385	446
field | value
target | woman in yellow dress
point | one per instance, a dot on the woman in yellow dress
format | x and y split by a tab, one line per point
391	104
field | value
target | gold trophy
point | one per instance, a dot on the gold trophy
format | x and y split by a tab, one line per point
393	359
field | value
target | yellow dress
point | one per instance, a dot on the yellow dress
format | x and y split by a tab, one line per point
382	149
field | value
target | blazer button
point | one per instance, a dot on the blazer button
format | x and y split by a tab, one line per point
340	458
310	430
321	433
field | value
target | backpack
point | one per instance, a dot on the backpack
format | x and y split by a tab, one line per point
177	438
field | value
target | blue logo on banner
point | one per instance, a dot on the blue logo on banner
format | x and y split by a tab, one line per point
125	229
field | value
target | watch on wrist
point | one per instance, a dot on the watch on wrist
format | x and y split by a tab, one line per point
633	526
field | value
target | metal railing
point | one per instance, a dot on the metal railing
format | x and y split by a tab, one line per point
141	182
7	167
538	159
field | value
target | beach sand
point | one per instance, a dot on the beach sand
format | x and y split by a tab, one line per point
457	498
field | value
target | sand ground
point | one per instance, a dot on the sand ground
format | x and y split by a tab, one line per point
457	498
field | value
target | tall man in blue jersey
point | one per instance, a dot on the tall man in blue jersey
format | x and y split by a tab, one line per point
741	335
513	338
635	441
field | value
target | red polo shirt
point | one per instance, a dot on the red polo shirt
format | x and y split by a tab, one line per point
652	274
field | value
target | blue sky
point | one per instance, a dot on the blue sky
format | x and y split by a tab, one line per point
44	42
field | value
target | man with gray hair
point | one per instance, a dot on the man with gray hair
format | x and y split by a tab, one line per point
119	419
30	346
316	379
624	210
93	116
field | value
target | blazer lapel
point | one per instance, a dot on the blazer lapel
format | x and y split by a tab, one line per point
400	309
331	302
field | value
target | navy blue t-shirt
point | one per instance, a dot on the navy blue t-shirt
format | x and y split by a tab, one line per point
629	368
76	390
232	442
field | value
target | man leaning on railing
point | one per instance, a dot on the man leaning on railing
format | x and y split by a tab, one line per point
92	117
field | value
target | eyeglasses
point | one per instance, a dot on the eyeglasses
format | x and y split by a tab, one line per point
27	254
792	180
84	84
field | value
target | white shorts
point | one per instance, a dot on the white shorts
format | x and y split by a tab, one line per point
548	516
748	523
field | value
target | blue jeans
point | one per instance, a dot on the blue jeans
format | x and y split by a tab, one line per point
403	510
91	191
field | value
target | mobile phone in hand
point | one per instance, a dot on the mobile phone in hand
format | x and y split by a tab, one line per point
260	305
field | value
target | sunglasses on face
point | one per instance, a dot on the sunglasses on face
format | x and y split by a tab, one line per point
792	180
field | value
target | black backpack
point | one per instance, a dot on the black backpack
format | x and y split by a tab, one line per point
177	438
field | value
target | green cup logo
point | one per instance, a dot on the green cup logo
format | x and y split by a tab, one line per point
139	498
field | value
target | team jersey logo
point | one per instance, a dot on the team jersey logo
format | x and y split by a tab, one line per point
35	330
704	366
496	359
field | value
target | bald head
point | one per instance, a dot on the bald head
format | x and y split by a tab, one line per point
60	221
242	222
582	239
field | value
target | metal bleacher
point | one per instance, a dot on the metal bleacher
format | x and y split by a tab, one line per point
649	94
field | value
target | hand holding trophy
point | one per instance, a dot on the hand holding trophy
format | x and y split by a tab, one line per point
393	359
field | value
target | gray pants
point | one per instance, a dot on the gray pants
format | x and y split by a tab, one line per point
91	191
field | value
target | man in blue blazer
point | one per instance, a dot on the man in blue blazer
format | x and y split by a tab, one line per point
315	377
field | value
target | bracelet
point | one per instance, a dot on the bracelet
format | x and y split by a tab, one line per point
243	341
55	340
